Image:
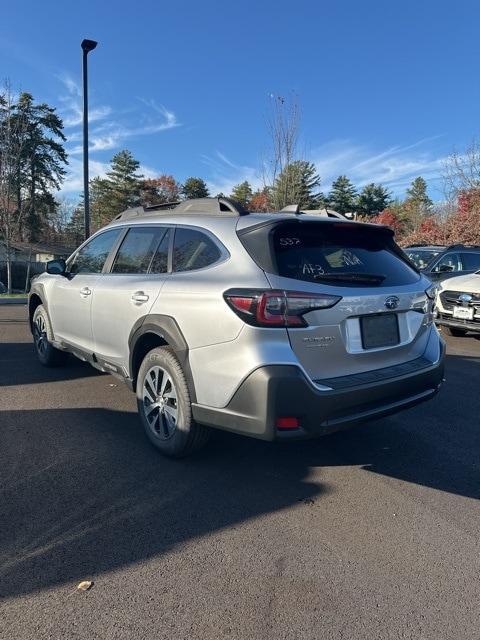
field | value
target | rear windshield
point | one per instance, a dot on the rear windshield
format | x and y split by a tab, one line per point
339	254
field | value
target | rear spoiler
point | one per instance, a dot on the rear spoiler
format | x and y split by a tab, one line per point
257	239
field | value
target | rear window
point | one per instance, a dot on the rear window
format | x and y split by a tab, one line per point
192	249
340	255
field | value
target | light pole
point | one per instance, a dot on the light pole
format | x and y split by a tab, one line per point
87	46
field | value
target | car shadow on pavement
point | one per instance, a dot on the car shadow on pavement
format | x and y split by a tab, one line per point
20	366
82	492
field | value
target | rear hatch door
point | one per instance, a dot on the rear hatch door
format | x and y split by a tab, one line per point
380	320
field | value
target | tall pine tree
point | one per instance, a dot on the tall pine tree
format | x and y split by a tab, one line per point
342	196
119	190
417	194
373	199
242	193
42	163
297	184
195	188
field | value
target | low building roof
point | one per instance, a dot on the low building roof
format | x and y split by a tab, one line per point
40	247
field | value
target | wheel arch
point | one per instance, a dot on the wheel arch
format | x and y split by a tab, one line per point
33	302
154	331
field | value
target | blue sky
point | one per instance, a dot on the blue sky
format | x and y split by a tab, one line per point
387	89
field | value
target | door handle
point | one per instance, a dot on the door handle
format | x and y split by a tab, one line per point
85	292
139	297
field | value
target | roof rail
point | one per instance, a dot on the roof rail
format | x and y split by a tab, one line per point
463	246
163	205
218	206
292	208
423	244
295	208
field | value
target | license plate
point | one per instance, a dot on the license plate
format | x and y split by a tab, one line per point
465	313
379	331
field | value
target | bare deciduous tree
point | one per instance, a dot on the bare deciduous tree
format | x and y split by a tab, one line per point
461	171
283	126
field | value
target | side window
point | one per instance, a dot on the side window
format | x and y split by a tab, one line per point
471	261
449	262
160	259
91	257
137	249
193	250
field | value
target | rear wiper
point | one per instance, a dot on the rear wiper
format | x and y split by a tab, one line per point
366	278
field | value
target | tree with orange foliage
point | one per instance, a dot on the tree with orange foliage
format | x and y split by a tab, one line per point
160	190
388	217
260	201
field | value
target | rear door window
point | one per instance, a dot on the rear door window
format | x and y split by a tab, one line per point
136	250
471	261
193	249
340	255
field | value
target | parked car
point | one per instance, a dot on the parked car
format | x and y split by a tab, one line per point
440	263
422	255
458	305
275	326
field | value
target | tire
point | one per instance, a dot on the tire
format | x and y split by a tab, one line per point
453	331
47	354
169	425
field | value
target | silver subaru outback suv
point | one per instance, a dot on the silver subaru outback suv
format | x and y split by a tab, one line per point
277	326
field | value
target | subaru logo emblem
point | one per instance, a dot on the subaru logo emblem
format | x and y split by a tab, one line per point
465	298
392	302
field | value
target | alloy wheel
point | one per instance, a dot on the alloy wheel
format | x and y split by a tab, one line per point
160	405
40	335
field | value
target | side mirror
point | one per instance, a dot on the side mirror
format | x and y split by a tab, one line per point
57	267
444	268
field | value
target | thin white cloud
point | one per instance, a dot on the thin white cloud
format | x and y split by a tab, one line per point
116	137
225	174
169	116
74	179
76	117
72	108
112	132
394	167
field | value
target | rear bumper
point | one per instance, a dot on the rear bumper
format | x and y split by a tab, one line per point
277	391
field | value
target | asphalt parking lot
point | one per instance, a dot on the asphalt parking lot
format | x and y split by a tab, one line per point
371	533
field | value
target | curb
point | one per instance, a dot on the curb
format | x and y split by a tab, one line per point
13	301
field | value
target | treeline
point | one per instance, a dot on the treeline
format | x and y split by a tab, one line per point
33	165
124	187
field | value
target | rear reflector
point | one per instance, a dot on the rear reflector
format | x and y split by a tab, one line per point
287	423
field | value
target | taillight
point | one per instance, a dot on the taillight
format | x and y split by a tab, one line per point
269	308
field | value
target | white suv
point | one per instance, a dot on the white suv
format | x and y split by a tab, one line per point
274	326
458	305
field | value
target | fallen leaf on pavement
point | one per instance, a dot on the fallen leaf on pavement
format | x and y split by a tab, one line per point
85	585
